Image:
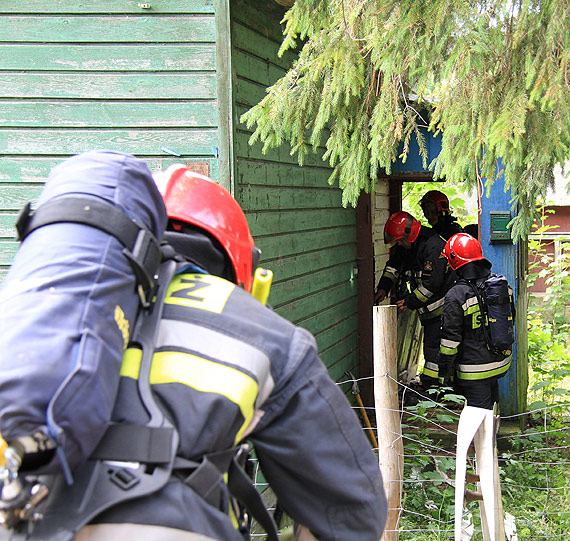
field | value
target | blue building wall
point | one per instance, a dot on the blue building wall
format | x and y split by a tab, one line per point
504	257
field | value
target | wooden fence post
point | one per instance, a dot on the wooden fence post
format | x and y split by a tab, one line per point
390	445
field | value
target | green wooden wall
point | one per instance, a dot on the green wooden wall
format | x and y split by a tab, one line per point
307	239
78	75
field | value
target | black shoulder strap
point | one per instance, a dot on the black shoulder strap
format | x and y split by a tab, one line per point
484	314
142	249
99	485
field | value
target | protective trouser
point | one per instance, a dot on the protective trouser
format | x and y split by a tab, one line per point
479	394
432	338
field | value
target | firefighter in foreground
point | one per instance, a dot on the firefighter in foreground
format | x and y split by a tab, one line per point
228	369
423	277
435	206
467	358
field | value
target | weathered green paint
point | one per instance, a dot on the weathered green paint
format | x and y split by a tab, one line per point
109	86
176	78
107	6
225	96
15	197
199	142
109	114
273	222
279	246
307	239
110	29
82	75
22	169
126	58
321	280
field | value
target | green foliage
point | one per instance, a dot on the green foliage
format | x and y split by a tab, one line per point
492	77
535	478
412	193
533	470
549	324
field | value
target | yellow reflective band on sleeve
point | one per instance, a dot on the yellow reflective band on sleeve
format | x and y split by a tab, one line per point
420	295
207	377
447	351
430	373
131	363
201	291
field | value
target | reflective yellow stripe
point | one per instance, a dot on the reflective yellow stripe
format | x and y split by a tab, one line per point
483	375
201	291
420	295
472	310
207	377
447	351
430	373
131	363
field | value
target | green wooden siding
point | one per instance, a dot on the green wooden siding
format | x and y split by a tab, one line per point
77	75
307	239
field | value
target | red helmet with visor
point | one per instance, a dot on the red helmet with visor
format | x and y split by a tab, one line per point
437	198
401	225
461	249
197	200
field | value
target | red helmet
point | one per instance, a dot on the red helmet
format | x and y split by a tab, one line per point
461	249
198	200
436	198
401	225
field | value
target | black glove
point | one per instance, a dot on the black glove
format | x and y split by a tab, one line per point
446	374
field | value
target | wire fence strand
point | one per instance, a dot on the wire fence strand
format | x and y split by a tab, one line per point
533	453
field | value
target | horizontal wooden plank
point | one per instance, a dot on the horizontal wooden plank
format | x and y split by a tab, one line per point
8	250
302	309
7	224
280	154
256	69
337	333
260	16
108	29
128	86
272	223
278	246
35	169
284	198
263	173
339	352
297	288
108	114
15	197
247	94
108	6
198	142
337	368
259	44
289	267
116	57
331	315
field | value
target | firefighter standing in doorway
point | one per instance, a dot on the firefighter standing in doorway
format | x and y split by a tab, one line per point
422	277
435	206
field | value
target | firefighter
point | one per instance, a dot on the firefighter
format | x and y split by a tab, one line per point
465	356
422	278
435	206
228	369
